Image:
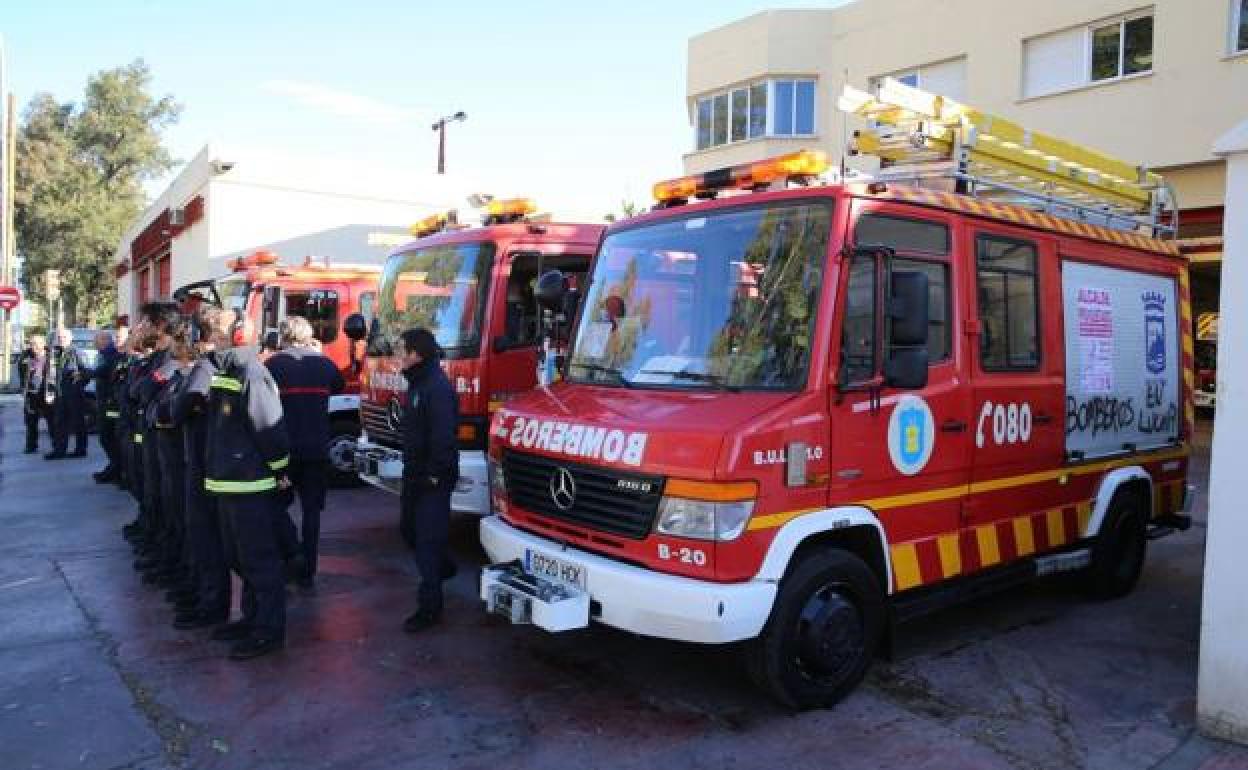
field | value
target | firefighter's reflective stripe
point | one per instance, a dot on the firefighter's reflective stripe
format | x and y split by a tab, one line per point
221	382
240	487
112	413
277	465
138	438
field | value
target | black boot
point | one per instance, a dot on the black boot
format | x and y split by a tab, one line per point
422	620
231	632
187	621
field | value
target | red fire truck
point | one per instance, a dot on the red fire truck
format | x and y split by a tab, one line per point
473	287
795	416
267	291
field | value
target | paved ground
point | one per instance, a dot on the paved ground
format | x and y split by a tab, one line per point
92	676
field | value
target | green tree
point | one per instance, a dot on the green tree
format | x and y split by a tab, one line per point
628	210
80	174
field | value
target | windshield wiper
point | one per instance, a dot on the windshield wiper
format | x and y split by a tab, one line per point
615	374
713	380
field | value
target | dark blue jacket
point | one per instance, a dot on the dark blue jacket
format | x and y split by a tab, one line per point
248	446
190	409
105	368
73	375
306	379
430	418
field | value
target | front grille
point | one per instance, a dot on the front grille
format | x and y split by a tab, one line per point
375	422
606	500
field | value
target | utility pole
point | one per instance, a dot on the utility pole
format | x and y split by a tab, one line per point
440	127
8	165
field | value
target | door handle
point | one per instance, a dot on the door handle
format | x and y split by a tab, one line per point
953	426
1042	419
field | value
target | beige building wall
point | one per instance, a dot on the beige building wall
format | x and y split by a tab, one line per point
1166	119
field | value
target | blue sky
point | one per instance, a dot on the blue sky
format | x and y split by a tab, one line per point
572	100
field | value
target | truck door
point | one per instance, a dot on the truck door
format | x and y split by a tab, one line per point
1017	385
904	454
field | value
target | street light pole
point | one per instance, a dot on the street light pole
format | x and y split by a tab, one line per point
440	127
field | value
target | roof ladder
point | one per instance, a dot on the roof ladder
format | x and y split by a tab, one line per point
922	138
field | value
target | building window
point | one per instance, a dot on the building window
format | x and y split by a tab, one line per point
743	113
1008	304
164	277
1239	26
1079	56
947	78
1122	48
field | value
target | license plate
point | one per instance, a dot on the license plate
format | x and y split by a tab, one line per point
554	568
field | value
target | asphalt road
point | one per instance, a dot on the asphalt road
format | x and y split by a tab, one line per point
93	676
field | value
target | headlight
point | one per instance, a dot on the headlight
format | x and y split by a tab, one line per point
702	519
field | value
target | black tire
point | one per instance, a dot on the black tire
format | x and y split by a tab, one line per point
342	436
824	630
1118	553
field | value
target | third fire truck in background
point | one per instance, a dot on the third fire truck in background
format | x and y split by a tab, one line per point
794	417
265	290
475	289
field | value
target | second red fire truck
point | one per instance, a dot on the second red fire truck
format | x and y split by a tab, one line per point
475	289
797	415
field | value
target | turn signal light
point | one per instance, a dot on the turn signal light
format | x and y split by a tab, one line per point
466	432
794	167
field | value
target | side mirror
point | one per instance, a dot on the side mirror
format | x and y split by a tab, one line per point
908	309
906	368
355	327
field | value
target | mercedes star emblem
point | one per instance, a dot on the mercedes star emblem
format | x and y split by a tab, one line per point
394	415
562	488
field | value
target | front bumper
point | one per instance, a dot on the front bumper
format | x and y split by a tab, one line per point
640	600
382	467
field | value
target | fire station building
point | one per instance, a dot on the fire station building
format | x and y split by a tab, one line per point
225	204
1153	83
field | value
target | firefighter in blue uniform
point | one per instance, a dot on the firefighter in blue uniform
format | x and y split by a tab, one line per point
159	566
203	524
69	413
430	469
245	465
306	379
128	427
171	451
106	402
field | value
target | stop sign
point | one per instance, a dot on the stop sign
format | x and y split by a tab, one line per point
10	297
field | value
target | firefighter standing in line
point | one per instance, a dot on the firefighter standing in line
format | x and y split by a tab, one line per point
245	465
69	412
155	565
306	379
34	366
203	524
106	402
131	438
430	469
122	433
181	582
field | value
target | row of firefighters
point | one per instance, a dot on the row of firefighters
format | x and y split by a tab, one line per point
214	438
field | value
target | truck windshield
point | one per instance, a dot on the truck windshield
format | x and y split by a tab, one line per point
440	288
233	293
725	299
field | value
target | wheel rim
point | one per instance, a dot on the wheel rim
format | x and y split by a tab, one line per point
830	634
338	450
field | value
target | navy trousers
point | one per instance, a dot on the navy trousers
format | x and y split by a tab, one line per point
309	478
255	556
429	510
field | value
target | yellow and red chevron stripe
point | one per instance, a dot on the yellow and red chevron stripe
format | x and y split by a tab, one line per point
1023	216
1188	358
951	554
